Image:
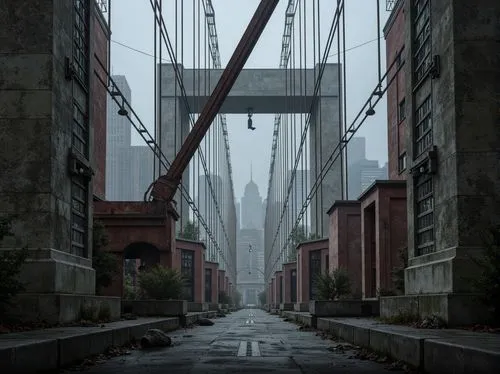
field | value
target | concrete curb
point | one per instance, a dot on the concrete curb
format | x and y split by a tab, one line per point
50	349
435	351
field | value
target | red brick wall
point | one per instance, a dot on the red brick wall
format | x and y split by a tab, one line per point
345	242
390	222
303	266
287	281
199	266
215	275
136	222
395	41
99	39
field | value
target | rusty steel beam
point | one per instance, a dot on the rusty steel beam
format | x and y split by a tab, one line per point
165	186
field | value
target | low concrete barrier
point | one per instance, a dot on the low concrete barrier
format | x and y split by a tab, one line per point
434	350
345	308
286	306
51	349
197	307
301	307
170	308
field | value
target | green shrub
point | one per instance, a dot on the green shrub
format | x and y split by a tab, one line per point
161	283
224	298
104	263
191	231
334	285
129	291
10	267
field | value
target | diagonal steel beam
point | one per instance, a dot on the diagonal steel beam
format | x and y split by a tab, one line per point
165	186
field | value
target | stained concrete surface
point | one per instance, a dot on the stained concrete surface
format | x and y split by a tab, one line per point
247	341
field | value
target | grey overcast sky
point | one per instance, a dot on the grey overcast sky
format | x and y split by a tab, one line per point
132	25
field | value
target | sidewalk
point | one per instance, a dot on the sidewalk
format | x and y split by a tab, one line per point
434	350
49	349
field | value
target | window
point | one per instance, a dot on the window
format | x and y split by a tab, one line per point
80	130
79	222
423	127
187	271
402	162
422	42
401	110
80	39
424	215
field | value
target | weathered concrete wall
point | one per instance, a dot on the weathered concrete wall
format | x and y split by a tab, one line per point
467	136
36	117
345	241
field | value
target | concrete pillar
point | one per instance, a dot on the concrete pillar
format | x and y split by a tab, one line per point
173	129
345	241
324	136
465	132
287	281
36	131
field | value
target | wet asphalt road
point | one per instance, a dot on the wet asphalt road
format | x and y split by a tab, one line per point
247	341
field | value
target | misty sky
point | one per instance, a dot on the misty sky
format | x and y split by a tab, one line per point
132	24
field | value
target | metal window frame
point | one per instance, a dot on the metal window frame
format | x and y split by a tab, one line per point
418	140
81	45
185	254
314	259
429	246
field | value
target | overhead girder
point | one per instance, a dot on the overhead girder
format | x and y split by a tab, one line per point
165	186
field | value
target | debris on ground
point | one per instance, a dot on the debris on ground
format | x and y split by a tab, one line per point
205	322
103	357
155	338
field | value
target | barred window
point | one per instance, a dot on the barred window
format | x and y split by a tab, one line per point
80	130
424	215
423	127
422	42
79	190
80	39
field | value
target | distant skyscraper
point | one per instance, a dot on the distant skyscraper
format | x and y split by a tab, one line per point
142	170
238	217
118	159
356	150
251	207
362	174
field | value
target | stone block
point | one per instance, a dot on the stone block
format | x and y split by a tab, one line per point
29	357
197	307
52	271
173	308
63	308
77	347
483	356
402	346
453	309
391	305
286	306
344	308
301	307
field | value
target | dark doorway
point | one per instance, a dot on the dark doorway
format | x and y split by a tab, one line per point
187	271
314	273
137	257
293	286
208	285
